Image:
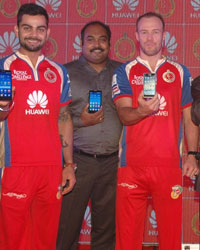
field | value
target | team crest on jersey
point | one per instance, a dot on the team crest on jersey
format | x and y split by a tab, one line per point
168	76
176	191
50	76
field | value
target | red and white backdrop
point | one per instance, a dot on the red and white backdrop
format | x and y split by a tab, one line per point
182	44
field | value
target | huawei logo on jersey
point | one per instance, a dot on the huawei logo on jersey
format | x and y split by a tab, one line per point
163	104
36	100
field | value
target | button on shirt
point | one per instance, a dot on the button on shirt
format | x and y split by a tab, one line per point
102	138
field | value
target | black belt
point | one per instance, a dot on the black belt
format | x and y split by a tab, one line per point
95	155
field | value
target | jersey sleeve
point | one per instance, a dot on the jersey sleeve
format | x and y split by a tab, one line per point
66	96
186	99
120	83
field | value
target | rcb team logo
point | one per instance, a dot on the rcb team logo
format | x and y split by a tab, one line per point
196	48
50	76
124	48
168	76
86	8
9	8
165	7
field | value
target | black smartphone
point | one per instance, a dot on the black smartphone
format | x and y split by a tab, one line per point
149	85
5	85
95	99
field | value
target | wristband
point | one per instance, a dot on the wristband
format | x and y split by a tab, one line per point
70	164
7	110
192	152
195	153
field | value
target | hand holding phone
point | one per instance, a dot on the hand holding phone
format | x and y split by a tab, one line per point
149	85
5	85
95	101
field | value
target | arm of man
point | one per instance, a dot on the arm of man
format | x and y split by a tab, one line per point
190	166
195	91
196	112
65	126
129	115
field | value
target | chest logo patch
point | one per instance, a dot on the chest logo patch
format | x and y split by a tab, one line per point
168	76
21	75
50	76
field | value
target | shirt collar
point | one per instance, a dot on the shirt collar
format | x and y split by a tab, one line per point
27	59
146	63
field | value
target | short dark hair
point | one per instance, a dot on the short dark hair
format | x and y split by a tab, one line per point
106	27
31	9
148	15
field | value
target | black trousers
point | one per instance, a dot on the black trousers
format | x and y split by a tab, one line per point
96	181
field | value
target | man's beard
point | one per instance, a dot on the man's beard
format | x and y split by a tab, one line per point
31	48
151	52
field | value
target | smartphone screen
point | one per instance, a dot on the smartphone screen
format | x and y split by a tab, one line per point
149	85
5	85
95	98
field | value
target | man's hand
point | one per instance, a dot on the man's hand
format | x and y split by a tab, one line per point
68	177
148	107
6	104
89	119
190	167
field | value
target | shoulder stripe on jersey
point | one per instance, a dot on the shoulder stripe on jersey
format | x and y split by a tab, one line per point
8	61
129	66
